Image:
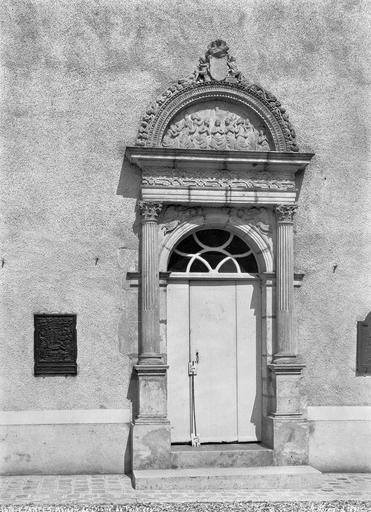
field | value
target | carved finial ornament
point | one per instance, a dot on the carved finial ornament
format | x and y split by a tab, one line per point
149	210
286	212
217	67
217	64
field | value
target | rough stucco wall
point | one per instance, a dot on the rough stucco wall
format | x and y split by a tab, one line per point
77	76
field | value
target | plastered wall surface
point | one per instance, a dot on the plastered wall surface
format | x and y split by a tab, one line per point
76	78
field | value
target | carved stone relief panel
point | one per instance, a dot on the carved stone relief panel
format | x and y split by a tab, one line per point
55	345
202	178
217	125
364	346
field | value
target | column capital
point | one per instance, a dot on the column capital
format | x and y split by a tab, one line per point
149	210
285	212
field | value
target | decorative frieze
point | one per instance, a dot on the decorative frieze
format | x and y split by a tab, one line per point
171	178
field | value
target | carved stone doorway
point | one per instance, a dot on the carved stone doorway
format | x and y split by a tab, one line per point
217	152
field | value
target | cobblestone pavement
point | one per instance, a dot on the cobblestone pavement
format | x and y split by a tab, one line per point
117	489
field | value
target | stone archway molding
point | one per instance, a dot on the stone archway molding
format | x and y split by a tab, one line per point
217	77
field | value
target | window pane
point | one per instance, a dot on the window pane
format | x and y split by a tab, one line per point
213	237
248	264
228	266
213	258
199	266
178	263
188	245
237	246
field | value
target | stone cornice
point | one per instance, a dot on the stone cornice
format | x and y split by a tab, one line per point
213	177
147	158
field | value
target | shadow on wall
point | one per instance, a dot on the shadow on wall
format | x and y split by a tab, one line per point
255	306
129	187
129	182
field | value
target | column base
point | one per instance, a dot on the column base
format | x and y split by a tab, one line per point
285	358
285	429
149	358
151	443
152	391
287	395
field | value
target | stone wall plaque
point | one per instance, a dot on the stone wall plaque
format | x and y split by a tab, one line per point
55	345
364	346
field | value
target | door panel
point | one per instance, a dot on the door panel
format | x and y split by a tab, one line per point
248	360
221	321
178	356
213	336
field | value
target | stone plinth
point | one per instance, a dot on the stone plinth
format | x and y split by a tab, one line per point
285	428
151	429
151	445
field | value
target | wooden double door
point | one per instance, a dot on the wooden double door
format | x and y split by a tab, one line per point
213	332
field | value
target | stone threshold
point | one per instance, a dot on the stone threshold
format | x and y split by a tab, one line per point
222	447
267	477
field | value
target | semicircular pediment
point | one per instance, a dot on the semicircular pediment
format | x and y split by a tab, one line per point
217	108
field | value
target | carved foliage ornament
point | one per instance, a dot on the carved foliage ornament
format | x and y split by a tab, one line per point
217	67
286	212
219	180
149	210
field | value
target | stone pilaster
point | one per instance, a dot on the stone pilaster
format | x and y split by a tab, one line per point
285	342
286	427
149	352
151	429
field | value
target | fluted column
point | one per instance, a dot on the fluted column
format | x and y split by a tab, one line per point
151	444
286	347
149	350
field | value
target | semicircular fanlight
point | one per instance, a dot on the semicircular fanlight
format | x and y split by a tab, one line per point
213	251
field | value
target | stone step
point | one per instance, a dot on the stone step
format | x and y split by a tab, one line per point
267	477
221	455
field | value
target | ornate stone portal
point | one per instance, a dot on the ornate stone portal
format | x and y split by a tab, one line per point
216	150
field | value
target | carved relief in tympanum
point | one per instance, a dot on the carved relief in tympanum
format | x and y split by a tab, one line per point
216	125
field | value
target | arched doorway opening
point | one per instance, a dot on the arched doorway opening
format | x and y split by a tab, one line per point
214	339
